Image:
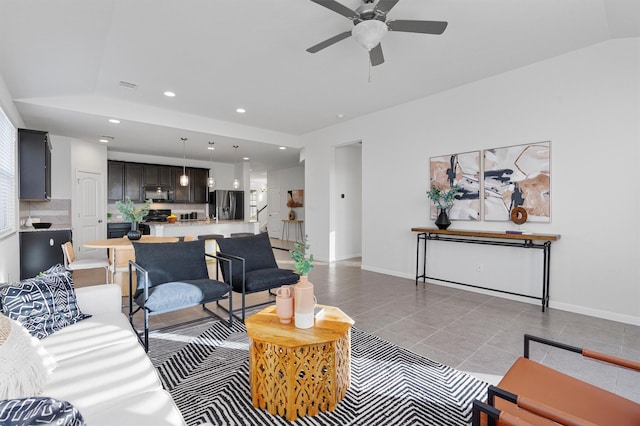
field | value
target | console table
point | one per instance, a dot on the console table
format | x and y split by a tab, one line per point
527	241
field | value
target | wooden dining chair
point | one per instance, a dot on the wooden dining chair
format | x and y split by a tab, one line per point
71	263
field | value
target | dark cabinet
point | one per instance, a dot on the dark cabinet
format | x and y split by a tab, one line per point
157	175
118	230
115	179
40	250
34	154
181	193
198	185
133	181
127	179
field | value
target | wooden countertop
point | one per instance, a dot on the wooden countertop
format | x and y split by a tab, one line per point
488	234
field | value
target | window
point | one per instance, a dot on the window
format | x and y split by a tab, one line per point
253	211
7	176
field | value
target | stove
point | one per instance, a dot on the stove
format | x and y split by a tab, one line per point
159	215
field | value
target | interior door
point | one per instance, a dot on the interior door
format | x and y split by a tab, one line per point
89	223
274	226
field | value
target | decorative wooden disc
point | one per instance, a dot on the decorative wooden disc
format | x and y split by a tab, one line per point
518	215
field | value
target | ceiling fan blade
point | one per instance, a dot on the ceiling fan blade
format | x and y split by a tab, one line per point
425	27
385	6
375	55
328	42
338	8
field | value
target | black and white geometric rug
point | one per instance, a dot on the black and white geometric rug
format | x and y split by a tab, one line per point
208	377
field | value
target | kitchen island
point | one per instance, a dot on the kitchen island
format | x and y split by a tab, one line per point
201	227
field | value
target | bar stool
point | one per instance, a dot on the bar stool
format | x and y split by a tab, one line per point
241	234
210	245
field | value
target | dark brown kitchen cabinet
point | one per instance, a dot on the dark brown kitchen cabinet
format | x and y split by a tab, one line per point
133	181
115	179
34	156
181	193
198	185
40	250
154	174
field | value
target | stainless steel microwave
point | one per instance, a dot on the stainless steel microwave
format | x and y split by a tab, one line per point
158	193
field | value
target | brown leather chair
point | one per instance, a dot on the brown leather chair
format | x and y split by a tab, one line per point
532	393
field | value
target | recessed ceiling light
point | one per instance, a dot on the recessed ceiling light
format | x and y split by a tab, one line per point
241	110
104	140
283	147
245	158
169	94
114	121
340	115
211	147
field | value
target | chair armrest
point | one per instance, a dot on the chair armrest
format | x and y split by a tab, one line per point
231	258
99	299
600	356
536	407
224	259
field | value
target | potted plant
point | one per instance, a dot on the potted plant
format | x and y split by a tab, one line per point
134	215
301	264
304	300
443	200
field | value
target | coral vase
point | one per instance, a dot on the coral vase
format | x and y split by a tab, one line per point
304	302
284	304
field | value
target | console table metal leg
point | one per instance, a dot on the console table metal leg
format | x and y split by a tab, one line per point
423	237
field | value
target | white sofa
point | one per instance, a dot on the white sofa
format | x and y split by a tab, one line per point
102	368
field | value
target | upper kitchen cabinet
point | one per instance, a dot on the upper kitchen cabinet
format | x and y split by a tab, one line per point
133	181
124	180
115	179
181	193
34	153
198	185
154	174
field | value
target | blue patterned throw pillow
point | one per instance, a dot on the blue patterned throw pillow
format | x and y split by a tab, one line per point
44	304
39	411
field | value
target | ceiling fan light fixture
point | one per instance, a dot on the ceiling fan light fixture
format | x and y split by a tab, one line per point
369	33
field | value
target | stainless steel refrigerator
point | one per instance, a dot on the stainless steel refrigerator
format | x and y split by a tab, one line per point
226	205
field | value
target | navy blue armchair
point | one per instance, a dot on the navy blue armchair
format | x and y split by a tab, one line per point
172	276
252	268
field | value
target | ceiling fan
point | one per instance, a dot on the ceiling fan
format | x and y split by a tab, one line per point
370	25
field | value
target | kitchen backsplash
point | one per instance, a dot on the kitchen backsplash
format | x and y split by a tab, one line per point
58	212
176	208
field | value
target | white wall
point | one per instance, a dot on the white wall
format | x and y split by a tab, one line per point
585	102
348	201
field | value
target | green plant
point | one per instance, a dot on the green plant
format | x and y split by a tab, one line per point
443	199
129	211
302	264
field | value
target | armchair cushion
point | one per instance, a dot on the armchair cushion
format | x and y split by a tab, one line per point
167	296
170	262
256	251
261	268
264	279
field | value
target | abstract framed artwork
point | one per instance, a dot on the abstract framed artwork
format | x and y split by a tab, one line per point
295	198
462	170
518	176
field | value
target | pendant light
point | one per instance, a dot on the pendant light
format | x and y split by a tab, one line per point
184	179
211	182
236	181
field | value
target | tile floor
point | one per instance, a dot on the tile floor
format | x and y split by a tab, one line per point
469	331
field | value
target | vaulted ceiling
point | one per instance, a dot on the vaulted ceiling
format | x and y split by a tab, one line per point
63	62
